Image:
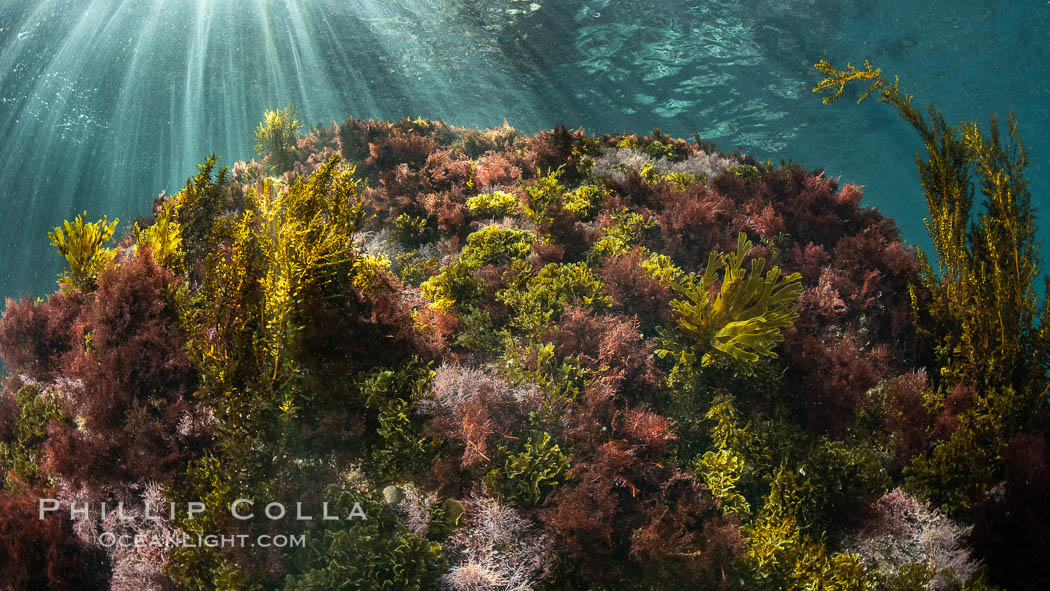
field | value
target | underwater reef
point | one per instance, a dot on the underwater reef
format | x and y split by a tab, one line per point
551	362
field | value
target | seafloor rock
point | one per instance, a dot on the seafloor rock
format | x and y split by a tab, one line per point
551	362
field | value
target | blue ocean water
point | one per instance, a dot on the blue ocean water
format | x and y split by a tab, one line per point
106	103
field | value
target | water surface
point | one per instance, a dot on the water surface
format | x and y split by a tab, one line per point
106	103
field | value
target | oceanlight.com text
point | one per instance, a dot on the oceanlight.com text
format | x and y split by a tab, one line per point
185	540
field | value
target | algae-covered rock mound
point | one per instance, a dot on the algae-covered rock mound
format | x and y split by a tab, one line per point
412	356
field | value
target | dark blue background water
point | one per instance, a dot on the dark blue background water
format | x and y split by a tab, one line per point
105	103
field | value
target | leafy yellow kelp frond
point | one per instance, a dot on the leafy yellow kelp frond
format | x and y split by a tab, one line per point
306	240
745	318
583	203
538	299
783	554
196	207
838	79
493	204
544	196
288	248
163	238
81	245
456	287
720	472
1004	257
276	135
983	305
661	268
368	270
945	177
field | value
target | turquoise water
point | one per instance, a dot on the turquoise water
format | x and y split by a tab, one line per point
105	103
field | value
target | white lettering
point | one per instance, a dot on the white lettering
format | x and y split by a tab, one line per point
274	517
74	511
357	511
194	507
52	506
237	503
